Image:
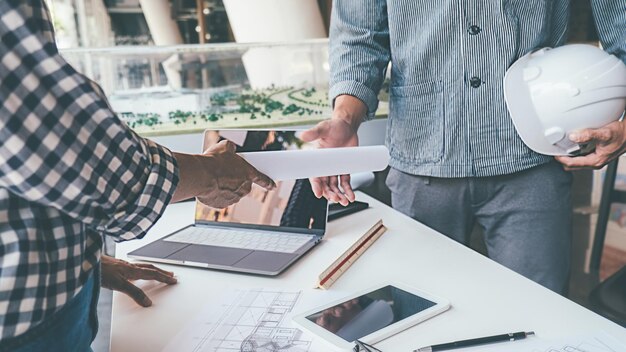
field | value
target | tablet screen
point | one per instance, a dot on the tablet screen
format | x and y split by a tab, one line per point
361	316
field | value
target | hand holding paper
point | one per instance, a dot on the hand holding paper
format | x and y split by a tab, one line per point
339	131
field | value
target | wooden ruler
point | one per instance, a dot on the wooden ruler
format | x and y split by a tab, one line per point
339	266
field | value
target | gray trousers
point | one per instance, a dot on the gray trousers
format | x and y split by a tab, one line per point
526	216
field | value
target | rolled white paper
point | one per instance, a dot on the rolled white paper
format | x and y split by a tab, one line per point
296	164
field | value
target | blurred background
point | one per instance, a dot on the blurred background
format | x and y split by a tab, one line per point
104	23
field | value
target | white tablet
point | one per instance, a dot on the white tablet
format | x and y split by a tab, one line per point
371	315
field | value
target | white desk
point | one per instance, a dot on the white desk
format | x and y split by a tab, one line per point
486	297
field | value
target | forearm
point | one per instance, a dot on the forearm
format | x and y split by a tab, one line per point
193	175
350	109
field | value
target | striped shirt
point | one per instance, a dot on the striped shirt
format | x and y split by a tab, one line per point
70	172
447	114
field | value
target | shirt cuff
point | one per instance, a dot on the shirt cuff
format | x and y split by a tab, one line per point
357	90
150	204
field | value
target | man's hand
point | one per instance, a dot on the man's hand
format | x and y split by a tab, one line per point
339	131
117	274
610	142
231	177
218	177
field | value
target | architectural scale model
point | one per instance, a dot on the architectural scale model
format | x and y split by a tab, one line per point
181	112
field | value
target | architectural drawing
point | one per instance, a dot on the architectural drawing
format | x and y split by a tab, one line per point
588	345
247	321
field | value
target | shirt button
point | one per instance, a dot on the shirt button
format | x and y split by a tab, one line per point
473	30
475	82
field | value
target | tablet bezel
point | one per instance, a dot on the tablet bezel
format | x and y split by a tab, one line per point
441	305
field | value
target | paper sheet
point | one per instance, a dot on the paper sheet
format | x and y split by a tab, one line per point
598	342
251	320
297	164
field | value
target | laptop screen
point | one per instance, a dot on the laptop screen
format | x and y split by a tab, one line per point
291	204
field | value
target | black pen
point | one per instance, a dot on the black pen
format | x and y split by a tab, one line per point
475	342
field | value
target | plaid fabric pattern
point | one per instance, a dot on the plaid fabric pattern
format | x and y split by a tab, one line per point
70	172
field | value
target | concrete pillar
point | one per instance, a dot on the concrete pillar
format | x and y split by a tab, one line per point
164	31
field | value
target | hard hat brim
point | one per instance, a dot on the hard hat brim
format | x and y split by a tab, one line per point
525	119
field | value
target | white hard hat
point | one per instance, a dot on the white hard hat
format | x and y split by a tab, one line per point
552	92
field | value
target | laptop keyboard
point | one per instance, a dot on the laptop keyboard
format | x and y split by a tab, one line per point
240	238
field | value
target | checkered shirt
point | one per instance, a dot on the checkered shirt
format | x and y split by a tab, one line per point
70	172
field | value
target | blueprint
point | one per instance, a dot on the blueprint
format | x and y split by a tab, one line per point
255	320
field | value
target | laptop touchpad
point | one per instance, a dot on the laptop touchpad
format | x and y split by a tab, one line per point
268	261
158	249
210	254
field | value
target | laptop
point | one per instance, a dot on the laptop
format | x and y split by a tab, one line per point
264	233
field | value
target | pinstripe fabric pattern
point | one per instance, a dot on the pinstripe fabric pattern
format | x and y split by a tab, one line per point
70	171
448	116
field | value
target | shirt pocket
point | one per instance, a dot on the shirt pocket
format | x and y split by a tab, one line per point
536	24
416	122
